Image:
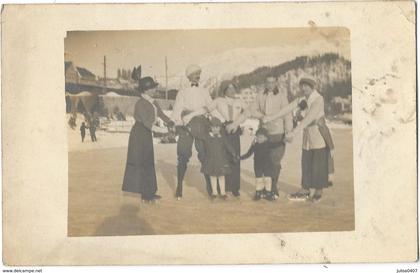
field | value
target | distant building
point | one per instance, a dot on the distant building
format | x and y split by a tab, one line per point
78	75
161	93
166	104
86	77
71	73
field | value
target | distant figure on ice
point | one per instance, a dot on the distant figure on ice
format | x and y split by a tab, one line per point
219	155
92	131
169	137
83	131
140	174
263	166
72	121
189	100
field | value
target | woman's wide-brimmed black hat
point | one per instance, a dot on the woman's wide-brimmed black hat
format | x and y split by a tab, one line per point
147	83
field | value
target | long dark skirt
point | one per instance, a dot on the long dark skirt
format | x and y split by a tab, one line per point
315	168
233	180
140	175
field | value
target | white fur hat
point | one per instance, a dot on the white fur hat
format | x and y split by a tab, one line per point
192	69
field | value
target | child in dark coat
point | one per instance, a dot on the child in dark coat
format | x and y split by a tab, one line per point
218	157
263	167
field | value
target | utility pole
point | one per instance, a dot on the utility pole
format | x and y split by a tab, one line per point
104	86
166	78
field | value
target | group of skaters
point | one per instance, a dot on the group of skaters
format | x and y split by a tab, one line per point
214	128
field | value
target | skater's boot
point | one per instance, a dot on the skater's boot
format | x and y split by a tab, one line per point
270	196
274	189
258	195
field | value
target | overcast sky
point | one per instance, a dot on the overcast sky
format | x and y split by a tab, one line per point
126	49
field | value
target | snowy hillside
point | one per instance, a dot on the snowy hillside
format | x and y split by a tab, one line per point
230	63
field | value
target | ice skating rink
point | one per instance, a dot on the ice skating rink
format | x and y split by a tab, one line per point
98	207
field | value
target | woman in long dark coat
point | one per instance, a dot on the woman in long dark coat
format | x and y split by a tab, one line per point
140	174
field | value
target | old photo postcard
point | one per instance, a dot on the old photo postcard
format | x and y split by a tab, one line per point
228	133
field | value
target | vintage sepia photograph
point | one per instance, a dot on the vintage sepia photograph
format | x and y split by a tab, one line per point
202	134
209	131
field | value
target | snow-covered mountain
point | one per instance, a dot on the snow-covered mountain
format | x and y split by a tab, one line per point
238	61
